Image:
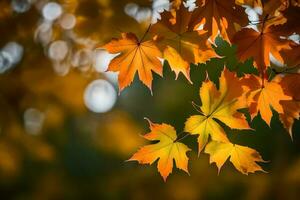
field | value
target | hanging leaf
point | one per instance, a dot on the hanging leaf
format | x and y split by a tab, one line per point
165	150
219	105
134	56
244	159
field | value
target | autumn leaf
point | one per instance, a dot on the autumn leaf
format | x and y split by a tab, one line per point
267	40
219	16
291	27
291	111
264	96
134	56
243	158
219	105
291	108
181	45
259	46
165	150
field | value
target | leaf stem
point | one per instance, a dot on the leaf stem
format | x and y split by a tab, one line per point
197	108
148	29
181	138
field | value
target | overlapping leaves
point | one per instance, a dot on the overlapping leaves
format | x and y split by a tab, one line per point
221	105
236	64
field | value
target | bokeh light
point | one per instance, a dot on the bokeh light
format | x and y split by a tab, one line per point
82	59
140	14
68	21
33	121
58	50
102	59
100	96
10	55
52	11
21	6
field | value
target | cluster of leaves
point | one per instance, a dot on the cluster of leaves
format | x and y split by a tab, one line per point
236	80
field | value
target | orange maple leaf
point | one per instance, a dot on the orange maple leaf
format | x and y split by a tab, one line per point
165	150
291	108
291	111
265	95
181	45
135	56
259	46
219	16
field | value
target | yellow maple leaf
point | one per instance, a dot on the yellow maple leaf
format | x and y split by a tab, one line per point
219	104
165	150
243	158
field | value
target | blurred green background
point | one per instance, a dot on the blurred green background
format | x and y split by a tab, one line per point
55	143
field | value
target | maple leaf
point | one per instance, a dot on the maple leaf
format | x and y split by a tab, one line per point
259	46
292	26
181	45
291	108
268	39
219	16
265	95
243	158
291	111
219	104
135	56
165	150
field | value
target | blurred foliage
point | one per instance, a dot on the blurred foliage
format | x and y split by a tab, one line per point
81	155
